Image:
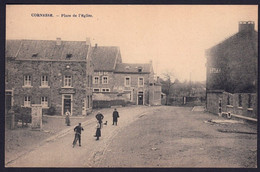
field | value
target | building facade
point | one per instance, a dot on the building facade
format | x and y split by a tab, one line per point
114	80
51	73
232	73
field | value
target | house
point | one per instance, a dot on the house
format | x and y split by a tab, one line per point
114	80
53	73
232	73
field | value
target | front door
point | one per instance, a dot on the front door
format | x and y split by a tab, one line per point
66	103
8	100
140	98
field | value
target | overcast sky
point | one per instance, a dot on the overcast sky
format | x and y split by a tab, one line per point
174	37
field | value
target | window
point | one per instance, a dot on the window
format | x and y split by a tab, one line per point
96	80
27	80
67	81
141	81
27	101
228	100
96	90
105	80
239	100
44	101
249	101
127	81
139	69
105	90
44	80
68	56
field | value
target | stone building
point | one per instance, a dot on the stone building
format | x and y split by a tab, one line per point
114	80
51	73
232	73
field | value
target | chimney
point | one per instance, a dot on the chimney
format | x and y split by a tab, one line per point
246	26
58	41
95	45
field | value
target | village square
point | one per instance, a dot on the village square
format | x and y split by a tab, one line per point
71	103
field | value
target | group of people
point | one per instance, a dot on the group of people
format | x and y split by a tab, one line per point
99	125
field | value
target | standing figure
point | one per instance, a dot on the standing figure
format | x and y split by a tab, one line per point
77	130
115	116
99	117
98	131
67	119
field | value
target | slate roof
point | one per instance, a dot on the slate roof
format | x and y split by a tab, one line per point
105	57
133	68
46	49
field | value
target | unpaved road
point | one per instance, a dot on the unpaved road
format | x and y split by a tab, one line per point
152	137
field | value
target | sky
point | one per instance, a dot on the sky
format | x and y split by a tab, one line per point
174	37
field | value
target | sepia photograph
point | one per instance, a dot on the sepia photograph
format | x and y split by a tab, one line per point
131	86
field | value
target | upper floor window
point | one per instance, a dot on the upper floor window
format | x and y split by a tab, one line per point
105	80
44	80
67	81
44	101
95	80
239	100
140	81
27	101
127	81
27	80
140	69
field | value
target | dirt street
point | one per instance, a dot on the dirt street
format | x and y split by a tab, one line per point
152	137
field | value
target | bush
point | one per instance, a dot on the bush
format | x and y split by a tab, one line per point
51	111
23	114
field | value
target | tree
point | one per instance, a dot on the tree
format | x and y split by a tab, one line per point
167	84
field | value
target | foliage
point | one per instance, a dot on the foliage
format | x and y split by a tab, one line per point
22	114
51	111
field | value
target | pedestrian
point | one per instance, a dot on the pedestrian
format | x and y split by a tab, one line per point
77	131
67	118
99	117
115	116
98	130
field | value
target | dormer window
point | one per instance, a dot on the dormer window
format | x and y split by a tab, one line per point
139	69
68	56
35	55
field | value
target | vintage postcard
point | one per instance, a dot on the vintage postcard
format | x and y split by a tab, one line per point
130	86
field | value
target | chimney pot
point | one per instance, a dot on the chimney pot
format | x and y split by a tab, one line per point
246	26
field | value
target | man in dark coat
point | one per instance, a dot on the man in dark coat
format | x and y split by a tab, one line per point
115	116
99	117
77	130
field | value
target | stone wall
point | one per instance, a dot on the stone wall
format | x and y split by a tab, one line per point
233	105
55	70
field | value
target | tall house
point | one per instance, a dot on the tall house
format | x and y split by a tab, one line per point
53	73
232	68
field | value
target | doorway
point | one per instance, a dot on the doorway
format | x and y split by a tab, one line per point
66	103
140	98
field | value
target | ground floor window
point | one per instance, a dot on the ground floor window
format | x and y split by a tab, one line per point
27	101
96	90
44	101
105	90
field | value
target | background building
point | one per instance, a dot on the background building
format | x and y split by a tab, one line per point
232	73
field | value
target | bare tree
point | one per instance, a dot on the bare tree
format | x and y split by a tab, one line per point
167	84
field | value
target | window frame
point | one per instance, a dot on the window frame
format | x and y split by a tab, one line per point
139	81
104	80
44	101
27	83
129	81
94	80
27	101
66	81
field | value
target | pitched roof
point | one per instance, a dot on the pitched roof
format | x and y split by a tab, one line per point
133	68
46	49
104	58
